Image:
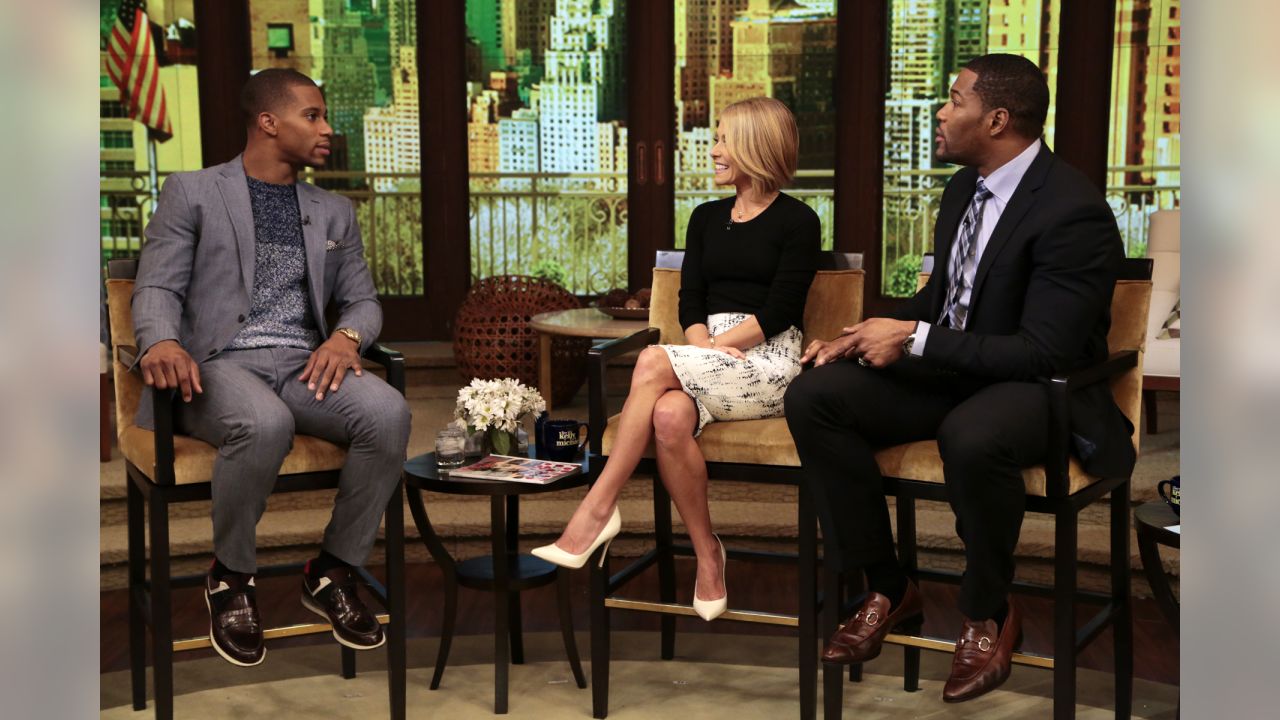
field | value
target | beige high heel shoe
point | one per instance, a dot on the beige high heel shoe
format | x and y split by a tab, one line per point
553	554
711	609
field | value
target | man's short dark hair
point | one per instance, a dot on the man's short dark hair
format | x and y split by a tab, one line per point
1014	83
267	90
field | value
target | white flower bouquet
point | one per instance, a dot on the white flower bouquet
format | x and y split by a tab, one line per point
497	407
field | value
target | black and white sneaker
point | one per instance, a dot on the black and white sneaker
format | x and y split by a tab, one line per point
333	597
234	626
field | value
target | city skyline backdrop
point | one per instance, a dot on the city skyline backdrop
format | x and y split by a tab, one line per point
547	139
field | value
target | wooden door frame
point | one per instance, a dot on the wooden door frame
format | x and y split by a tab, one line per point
651	135
1086	47
222	66
862	77
442	128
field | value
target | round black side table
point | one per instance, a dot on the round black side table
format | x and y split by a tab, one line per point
1152	521
505	573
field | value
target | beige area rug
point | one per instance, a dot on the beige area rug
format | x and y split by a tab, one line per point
714	677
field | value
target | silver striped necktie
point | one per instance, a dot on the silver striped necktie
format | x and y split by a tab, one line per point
963	255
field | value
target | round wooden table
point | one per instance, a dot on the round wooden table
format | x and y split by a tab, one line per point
505	573
579	322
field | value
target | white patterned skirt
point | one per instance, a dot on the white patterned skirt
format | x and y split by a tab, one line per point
726	388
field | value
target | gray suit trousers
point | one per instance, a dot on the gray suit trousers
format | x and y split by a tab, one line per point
251	407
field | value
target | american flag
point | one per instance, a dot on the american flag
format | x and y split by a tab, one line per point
131	63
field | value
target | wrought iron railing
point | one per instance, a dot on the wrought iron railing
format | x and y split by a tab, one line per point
388	208
573	228
1133	202
911	200
124	210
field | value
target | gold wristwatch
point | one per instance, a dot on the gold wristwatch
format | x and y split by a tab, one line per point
350	333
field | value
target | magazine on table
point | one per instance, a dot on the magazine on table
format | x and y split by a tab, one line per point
515	469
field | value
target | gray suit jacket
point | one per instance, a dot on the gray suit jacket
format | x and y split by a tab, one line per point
195	276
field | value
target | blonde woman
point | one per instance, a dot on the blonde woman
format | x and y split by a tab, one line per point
749	261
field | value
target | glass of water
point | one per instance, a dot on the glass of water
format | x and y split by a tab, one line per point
450	445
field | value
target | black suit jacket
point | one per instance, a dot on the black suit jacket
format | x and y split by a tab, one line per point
1041	300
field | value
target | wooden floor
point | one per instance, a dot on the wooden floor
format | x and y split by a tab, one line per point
759	586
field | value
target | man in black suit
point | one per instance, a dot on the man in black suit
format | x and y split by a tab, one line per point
1027	256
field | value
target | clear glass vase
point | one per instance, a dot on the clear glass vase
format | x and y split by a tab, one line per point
500	442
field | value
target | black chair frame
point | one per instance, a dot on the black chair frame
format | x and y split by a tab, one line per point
150	598
604	586
1068	640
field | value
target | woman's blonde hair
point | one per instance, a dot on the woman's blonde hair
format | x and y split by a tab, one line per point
763	141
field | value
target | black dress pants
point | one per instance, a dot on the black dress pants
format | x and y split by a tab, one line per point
840	413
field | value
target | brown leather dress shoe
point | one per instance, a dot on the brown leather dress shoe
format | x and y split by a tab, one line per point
861	637
982	659
333	597
234	626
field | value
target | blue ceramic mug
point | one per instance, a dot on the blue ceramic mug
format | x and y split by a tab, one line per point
561	440
1174	496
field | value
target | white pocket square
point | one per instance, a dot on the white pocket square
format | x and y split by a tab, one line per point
331	245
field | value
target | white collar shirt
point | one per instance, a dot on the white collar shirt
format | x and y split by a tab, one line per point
1002	183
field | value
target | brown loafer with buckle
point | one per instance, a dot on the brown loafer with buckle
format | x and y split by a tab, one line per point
234	626
983	657
333	597
861	637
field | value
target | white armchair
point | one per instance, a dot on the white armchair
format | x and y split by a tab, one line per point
1161	365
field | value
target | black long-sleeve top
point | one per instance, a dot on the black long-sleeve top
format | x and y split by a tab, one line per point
762	267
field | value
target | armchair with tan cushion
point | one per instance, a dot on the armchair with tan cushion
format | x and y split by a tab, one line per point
755	451
166	468
1059	487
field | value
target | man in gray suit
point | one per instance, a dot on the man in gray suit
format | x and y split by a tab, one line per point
240	262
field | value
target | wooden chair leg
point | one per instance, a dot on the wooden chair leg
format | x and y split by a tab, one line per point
1122	623
1150	408
563	597
808	596
666	563
854	587
599	635
911	658
348	662
161	606
905	508
137	585
832	607
104	418
1064	621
